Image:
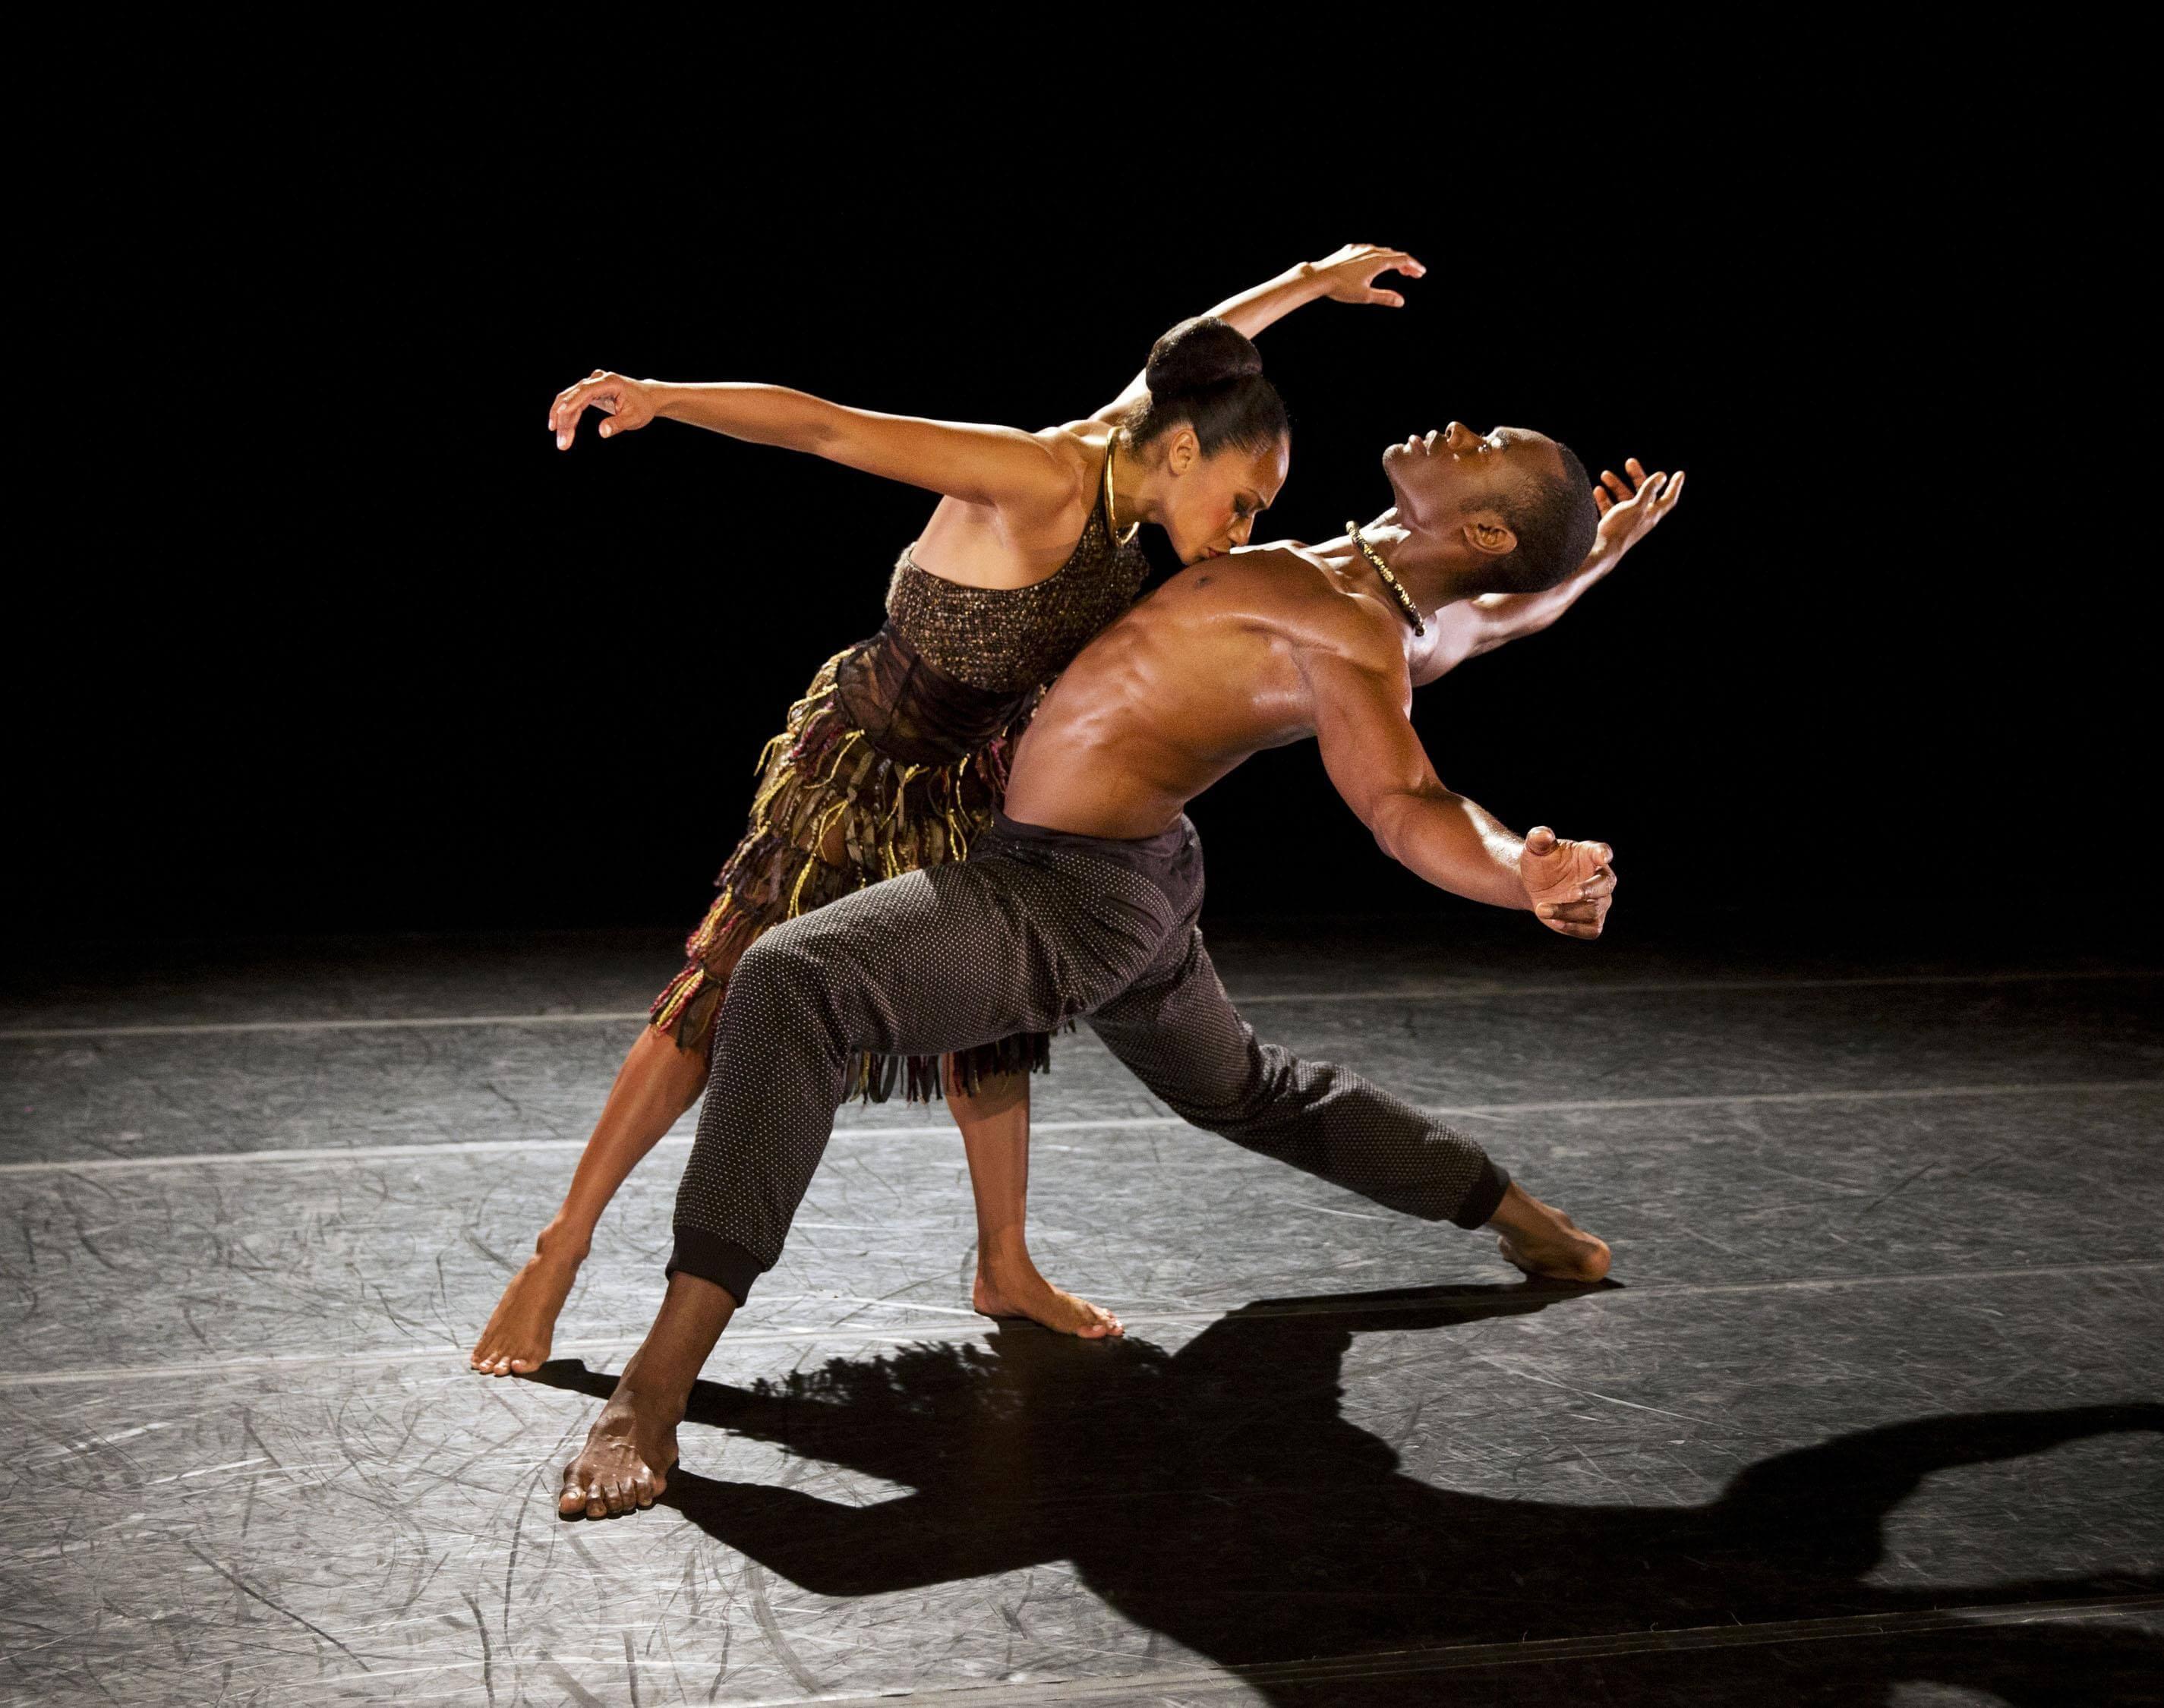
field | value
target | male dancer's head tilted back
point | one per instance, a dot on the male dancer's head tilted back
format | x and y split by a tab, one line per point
1083	901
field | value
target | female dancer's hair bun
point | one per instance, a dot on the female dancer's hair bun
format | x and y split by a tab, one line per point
1208	375
1198	353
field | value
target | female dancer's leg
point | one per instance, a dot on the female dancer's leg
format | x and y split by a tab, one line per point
994	1123
656	1084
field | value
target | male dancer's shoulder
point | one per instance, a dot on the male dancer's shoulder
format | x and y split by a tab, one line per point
1322	614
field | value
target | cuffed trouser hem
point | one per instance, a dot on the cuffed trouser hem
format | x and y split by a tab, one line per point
717	1258
1486	1196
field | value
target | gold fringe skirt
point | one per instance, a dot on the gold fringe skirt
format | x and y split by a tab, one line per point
824	786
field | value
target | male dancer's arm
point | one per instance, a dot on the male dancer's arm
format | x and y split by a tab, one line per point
1345	275
1376	762
1628	512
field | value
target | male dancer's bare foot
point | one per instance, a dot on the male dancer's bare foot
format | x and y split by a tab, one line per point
1543	1241
1011	1286
523	1323
625	1461
631	1447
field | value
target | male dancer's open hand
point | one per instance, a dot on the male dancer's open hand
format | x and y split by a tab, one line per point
1571	883
1630	509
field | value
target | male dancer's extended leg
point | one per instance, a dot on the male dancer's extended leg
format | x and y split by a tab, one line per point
1178	1033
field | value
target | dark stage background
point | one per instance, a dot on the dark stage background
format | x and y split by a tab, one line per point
338	640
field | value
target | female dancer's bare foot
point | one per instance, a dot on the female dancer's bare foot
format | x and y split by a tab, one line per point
625	1461
1543	1241
1011	1286
521	1327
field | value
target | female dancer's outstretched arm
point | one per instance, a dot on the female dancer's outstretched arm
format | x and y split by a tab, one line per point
985	464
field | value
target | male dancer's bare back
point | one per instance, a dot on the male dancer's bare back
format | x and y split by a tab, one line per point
1259	649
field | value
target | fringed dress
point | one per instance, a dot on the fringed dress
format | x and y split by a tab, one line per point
893	760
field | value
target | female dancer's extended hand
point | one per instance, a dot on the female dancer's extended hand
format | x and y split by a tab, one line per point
1348	274
1628	512
627	403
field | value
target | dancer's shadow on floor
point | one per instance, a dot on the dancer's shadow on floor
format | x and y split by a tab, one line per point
1216	1495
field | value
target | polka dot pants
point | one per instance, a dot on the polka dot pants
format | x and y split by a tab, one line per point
1034	929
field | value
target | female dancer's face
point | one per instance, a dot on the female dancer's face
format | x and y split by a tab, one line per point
1208	505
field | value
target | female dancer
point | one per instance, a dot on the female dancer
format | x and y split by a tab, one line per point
896	754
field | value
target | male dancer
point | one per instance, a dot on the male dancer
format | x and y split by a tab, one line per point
1084	900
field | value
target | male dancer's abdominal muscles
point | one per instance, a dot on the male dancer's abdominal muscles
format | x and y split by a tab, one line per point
1124	784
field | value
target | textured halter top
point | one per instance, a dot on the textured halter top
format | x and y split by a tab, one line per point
1008	639
954	664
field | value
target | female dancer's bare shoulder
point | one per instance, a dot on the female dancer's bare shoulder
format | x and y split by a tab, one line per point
1015	544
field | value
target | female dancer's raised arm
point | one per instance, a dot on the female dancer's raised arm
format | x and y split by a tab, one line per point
1346	276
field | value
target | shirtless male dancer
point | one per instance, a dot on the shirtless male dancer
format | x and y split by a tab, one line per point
1083	900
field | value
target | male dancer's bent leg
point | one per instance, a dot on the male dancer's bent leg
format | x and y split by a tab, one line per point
925	964
1177	1032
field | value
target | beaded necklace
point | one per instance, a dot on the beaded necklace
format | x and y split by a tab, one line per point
1405	598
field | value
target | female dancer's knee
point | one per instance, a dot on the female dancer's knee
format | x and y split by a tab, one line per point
993	1095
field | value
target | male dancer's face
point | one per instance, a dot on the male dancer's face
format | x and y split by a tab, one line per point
1445	482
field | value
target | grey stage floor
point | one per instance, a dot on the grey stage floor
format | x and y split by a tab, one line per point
1871	1416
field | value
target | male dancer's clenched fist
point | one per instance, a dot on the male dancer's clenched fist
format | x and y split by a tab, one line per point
1571	883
